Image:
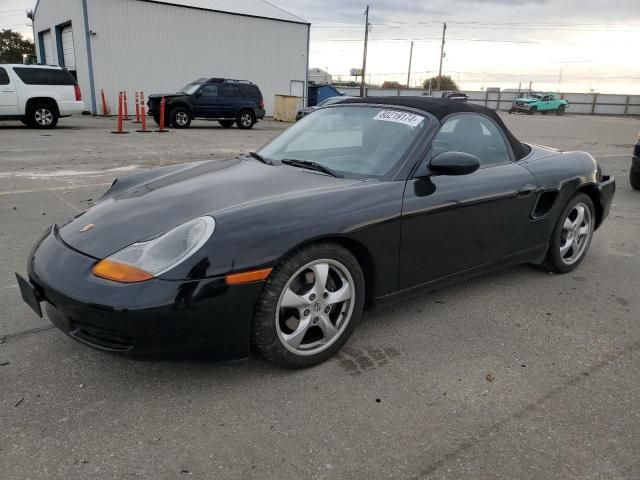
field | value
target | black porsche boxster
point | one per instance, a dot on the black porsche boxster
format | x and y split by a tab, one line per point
359	203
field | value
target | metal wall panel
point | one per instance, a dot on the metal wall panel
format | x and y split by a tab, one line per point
51	13
159	48
244	7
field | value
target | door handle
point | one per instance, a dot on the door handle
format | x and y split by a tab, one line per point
526	190
8	91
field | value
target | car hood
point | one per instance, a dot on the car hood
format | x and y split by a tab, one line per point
151	203
167	95
527	100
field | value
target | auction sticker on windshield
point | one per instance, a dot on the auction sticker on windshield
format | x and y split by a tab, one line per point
399	117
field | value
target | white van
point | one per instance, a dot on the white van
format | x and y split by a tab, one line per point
38	95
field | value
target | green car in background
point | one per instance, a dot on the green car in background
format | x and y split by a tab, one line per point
539	102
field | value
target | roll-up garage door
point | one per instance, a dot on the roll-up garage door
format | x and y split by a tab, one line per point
48	48
68	50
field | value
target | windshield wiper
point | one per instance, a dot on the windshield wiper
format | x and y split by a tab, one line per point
309	165
260	158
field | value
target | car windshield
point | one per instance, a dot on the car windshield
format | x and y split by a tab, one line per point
535	95
352	141
190	89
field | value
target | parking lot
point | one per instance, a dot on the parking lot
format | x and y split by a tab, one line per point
514	375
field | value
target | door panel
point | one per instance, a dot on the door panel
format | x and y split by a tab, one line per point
231	100
455	223
8	94
206	103
452	224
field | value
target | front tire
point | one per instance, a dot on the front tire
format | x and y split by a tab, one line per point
532	111
561	110
42	115
309	306
572	235
245	120
180	117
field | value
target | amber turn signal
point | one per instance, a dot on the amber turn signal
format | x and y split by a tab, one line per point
248	277
120	272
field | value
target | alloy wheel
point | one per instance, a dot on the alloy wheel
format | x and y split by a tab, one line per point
246	120
43	117
315	307
181	119
576	234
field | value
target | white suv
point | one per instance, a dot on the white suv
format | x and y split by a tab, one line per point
38	95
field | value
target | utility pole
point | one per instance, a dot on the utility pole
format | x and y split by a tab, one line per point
410	59
444	32
560	78
366	43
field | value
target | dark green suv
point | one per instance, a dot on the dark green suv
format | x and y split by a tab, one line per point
225	100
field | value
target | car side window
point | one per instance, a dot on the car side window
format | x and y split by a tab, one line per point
4	77
230	91
209	91
472	134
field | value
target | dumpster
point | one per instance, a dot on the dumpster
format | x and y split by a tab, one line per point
286	108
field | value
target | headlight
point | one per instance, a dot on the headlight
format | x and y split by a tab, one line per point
146	260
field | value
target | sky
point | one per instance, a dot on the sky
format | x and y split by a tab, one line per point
558	45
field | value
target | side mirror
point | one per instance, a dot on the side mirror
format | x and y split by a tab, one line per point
454	163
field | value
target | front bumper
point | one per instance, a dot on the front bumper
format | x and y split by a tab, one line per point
520	108
157	316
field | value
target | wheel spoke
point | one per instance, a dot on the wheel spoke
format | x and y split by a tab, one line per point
328	329
321	274
340	296
565	248
568	225
293	300
584	230
295	339
580	217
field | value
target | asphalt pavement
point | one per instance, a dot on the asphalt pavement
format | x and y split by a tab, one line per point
514	375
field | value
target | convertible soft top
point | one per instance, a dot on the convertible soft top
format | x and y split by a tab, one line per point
440	108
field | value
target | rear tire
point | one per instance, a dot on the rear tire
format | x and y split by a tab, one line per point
245	120
42	115
226	123
309	307
634	178
561	110
571	238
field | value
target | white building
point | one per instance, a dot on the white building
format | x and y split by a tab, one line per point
320	77
159	46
